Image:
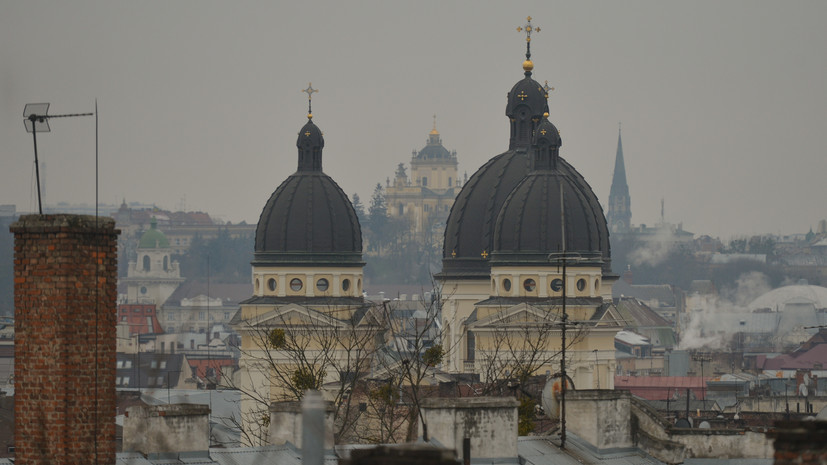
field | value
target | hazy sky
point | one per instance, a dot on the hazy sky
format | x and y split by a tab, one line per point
723	104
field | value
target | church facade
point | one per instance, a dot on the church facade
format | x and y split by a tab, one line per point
527	260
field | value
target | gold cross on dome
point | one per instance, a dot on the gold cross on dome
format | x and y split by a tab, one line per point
543	132
307	134
454	253
310	91
522	95
547	89
528	28
484	254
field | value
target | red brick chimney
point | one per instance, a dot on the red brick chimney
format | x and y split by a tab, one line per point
65	291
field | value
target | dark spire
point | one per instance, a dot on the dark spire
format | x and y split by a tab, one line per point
620	214
310	142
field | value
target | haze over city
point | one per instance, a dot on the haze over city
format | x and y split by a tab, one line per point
721	103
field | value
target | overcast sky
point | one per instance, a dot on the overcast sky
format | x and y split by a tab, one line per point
723	104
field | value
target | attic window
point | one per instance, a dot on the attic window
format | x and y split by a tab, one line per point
296	284
529	285
271	284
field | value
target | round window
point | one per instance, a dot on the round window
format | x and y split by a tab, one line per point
581	284
529	285
322	284
557	285
271	284
345	284
507	284
296	284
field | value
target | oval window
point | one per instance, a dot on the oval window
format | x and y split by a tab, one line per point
557	285
258	284
507	284
346	285
296	284
143	289
581	284
529	285
596	285
271	284
322	284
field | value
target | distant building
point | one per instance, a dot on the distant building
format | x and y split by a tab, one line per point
425	198
154	276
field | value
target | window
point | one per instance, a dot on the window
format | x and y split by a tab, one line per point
119	364
296	284
153	364
557	285
127	364
123	318
126	380
424	180
117	381
163	346
163	364
171	316
146	262
507	284
202	316
271	284
226	315
322	284
166	263
449	181
345	284
596	285
529	285
581	284
143	289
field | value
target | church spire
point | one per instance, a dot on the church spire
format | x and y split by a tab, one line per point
620	213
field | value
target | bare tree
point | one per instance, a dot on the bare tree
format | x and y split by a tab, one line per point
294	348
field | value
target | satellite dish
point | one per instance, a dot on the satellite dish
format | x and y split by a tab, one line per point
682	423
704	425
802	390
551	395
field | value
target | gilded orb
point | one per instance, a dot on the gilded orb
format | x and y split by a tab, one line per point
528	65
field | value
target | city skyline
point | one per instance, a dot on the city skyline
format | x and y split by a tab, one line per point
721	104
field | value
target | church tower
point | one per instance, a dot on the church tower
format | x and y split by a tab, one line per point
620	213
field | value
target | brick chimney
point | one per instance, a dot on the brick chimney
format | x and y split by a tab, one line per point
65	291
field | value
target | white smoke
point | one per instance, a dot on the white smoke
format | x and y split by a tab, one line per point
701	326
654	250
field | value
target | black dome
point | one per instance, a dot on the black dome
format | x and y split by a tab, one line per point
469	230
309	219
528	227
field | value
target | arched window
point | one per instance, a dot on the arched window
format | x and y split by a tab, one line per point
166	263
146	262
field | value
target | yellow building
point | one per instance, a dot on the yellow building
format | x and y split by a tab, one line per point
525	239
306	323
425	198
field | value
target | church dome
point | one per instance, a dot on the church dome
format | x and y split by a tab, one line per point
308	219
529	224
153	238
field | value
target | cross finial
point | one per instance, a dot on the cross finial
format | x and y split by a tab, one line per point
528	28
547	88
309	91
434	121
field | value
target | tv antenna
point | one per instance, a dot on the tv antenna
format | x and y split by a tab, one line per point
37	120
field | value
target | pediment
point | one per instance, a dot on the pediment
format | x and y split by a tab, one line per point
517	315
294	315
